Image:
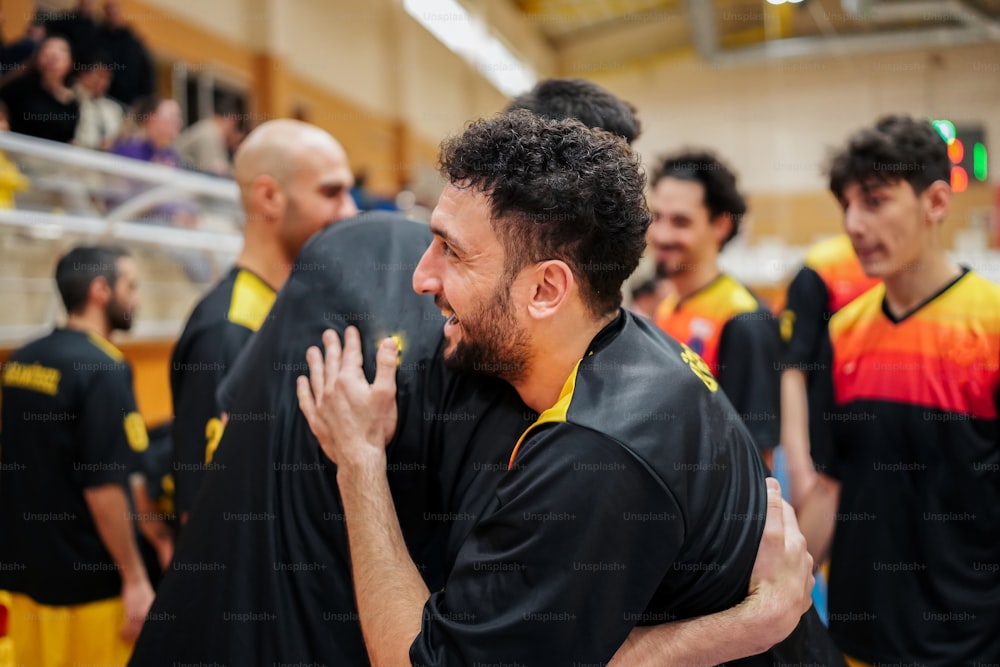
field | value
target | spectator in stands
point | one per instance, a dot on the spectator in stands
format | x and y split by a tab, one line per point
14	56
160	122
38	98
77	26
205	145
134	77
100	116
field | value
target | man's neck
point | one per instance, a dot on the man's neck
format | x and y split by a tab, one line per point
89	322
687	283
563	346
912	287
267	261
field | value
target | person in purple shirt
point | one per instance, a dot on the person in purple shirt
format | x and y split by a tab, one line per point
160	120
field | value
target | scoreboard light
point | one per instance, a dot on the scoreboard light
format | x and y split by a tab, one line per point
967	151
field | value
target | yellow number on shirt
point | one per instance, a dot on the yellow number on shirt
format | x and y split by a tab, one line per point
699	367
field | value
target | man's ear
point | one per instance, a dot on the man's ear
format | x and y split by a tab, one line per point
268	197
551	283
937	201
722	227
99	292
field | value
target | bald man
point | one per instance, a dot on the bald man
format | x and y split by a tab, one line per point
294	180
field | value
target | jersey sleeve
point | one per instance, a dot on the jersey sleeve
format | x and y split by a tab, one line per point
111	432
200	366
749	352
558	572
804	318
823	412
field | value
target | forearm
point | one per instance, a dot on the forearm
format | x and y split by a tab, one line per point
795	435
390	591
110	509
818	517
698	642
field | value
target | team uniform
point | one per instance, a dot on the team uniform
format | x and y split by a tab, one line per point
217	330
271	513
831	278
905	417
69	423
736	335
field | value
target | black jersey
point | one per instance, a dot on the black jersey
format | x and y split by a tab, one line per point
638	498
261	573
217	330
907	422
69	423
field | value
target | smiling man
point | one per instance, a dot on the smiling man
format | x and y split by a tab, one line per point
904	420
697	210
541	223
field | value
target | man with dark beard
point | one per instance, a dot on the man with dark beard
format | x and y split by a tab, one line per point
635	497
697	210
71	433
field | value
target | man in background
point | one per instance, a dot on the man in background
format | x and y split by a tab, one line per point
71	435
294	180
697	209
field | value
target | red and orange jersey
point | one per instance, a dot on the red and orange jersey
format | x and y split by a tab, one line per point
904	413
737	336
938	357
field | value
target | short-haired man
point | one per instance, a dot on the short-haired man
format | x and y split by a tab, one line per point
697	209
70	436
527	264
592	105
904	420
294	180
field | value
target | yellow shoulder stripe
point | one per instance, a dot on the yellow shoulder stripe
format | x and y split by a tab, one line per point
251	301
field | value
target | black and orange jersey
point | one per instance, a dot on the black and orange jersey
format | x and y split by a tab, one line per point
905	416
69	423
217	330
831	278
737	336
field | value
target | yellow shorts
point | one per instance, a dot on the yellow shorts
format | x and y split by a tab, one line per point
83	634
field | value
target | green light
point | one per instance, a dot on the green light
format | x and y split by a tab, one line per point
946	129
979	161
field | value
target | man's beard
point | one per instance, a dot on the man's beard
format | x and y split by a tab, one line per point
119	319
491	341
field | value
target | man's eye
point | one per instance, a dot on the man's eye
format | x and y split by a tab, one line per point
446	249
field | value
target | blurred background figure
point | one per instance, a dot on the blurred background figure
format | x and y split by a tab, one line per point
134	76
205	146
78	26
15	54
39	101
159	123
100	116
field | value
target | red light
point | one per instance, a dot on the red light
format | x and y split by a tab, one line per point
956	151
959	179
4	620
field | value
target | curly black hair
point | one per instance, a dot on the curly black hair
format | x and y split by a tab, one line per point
583	100
557	190
898	147
721	193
